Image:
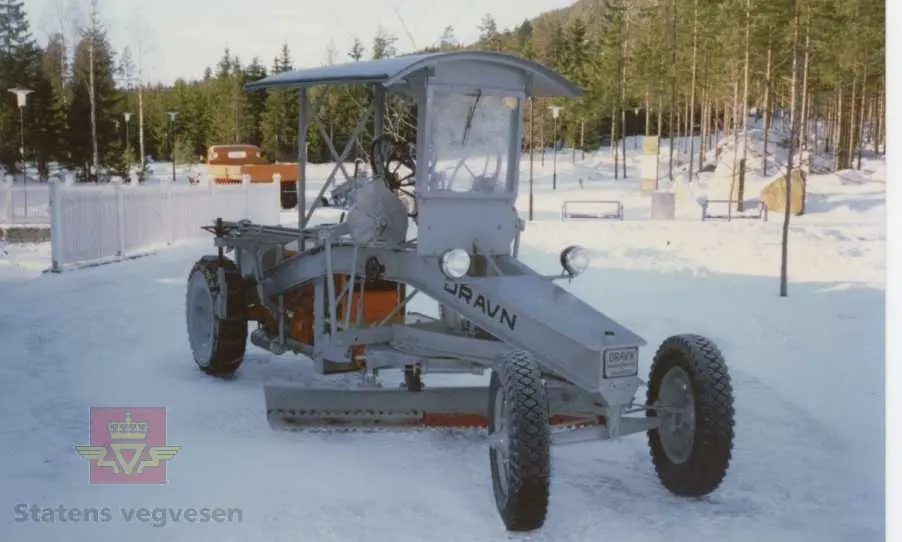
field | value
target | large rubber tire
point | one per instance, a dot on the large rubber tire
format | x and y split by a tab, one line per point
691	455
521	466
218	344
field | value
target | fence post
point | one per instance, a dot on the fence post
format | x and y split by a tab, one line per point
6	186
120	216
168	224
246	189
56	231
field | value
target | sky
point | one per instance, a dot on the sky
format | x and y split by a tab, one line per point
180	38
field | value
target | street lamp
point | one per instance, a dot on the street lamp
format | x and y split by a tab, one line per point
555	113
21	100
172	115
128	150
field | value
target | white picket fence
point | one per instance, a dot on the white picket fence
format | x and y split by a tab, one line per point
22	204
95	223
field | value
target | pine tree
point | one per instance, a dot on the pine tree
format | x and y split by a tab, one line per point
49	123
106	104
19	66
279	117
254	103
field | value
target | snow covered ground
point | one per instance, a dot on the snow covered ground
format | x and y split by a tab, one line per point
808	373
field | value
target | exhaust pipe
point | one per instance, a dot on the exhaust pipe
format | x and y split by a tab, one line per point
264	340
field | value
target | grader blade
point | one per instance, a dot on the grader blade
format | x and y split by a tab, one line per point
293	407
290	407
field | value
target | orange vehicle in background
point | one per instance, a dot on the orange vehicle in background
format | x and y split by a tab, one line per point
227	164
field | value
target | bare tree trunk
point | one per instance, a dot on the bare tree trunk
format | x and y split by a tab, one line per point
582	138
141	103
673	86
686	130
614	147
91	90
817	131
880	124
647	115
804	123
712	123
767	105
660	123
833	124
704	116
623	33
864	96
745	106
794	113
542	132
623	127
838	145
703	135
850	148
735	127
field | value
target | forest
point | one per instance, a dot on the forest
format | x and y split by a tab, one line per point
654	67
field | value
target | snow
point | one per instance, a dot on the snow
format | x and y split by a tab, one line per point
808	374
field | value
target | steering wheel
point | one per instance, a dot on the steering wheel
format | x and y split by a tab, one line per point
386	158
387	152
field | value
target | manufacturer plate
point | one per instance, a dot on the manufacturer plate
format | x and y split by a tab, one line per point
621	362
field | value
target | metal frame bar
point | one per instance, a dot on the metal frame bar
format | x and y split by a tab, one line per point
577	358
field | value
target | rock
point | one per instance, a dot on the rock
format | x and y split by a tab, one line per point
774	194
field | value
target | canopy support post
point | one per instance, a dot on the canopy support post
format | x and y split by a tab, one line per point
302	160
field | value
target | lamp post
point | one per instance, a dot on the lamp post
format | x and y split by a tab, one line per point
128	149
172	115
21	100
555	113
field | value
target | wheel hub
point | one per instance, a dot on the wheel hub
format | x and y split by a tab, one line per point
498	441
200	319
677	429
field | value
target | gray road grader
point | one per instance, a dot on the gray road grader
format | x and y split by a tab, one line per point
437	217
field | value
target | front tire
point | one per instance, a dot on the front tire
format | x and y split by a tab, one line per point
520	455
692	447
217	343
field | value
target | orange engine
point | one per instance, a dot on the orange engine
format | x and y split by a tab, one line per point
377	300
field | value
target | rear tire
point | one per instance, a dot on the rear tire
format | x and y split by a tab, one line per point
218	344
691	450
520	455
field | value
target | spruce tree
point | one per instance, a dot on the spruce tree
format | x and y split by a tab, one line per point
279	117
107	99
19	67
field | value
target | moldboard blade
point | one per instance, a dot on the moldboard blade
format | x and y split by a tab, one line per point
297	407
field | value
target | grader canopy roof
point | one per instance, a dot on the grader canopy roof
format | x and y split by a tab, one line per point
388	72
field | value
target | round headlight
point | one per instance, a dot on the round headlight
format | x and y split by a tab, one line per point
455	263
575	260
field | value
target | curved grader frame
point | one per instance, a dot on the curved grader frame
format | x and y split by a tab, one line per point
338	293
